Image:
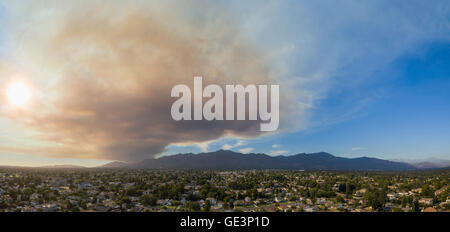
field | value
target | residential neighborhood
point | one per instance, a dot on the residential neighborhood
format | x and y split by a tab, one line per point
134	190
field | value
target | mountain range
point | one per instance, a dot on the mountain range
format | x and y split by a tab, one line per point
230	160
59	166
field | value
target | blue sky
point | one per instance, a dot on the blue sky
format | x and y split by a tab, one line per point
367	78
407	118
386	68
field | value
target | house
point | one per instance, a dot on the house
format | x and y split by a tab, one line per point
429	209
278	199
403	194
211	200
101	208
426	201
406	209
163	202
239	202
218	206
50	208
391	196
311	209
34	196
441	190
321	201
82	186
360	192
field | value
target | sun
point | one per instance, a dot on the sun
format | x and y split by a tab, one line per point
18	94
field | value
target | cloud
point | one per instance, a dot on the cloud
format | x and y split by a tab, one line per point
114	68
279	152
105	73
276	145
203	146
246	150
229	146
357	148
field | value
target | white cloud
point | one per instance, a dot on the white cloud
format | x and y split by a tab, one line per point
246	150
231	146
276	145
279	152
357	148
203	146
227	146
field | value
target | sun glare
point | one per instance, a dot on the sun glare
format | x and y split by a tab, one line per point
18	94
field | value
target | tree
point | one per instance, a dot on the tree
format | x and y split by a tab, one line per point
404	202
416	207
207	206
376	199
193	206
342	188
148	200
427	191
3	205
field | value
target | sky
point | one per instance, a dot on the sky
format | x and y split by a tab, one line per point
357	78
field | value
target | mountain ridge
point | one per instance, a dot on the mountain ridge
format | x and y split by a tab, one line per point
114	164
230	160
62	166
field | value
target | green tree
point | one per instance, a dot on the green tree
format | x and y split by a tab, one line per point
148	200
207	206
416	207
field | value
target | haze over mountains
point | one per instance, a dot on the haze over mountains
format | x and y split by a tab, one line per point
230	160
58	166
430	163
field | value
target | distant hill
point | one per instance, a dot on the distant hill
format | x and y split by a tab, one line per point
229	160
427	163
62	166
431	165
115	164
